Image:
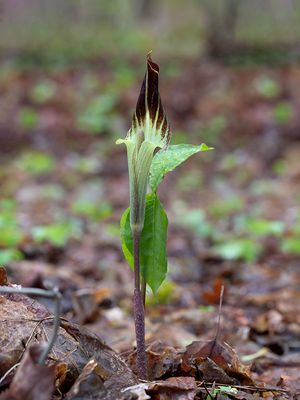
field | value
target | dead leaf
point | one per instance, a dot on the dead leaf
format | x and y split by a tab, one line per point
176	388
31	381
86	302
24	321
3	276
213	296
137	392
209	371
222	355
270	322
162	360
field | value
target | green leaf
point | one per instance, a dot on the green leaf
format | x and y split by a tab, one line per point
153	254
58	234
240	248
9	255
167	160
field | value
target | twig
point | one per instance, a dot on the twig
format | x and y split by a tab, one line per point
8	372
251	388
52	293
220	312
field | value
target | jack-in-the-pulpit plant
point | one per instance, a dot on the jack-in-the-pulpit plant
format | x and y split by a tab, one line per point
144	223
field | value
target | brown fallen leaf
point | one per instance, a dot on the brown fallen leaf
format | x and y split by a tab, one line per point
175	388
213	296
31	381
3	277
86	302
222	356
162	360
24	321
87	385
209	371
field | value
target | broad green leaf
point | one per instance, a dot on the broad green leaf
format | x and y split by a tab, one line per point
153	254
167	160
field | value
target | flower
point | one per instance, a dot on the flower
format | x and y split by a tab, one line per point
149	130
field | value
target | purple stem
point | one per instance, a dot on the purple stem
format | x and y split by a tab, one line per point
139	310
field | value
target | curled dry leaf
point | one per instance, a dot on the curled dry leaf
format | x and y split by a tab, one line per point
24	321
31	381
176	388
221	355
162	360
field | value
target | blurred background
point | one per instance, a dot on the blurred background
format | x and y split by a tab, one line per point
70	73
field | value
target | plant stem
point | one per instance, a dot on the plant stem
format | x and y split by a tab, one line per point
138	309
143	289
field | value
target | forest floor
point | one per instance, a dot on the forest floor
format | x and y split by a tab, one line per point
233	213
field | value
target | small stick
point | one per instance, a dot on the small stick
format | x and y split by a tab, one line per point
220	312
8	372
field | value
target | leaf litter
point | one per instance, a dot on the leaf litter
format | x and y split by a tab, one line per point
260	310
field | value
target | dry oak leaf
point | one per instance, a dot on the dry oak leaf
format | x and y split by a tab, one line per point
221	355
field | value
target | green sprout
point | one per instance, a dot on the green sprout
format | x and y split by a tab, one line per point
144	224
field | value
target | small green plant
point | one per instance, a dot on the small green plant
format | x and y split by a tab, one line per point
223	391
36	163
283	113
28	118
144	223
267	87
58	234
96	116
43	91
92	210
10	233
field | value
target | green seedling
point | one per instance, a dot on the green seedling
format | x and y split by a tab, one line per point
36	163
164	295
283	113
227	206
43	91
28	118
194	220
9	255
92	210
96	116
10	233
144	224
221	391
267	87
58	234
238	248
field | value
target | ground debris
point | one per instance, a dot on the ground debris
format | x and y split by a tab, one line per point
31	381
